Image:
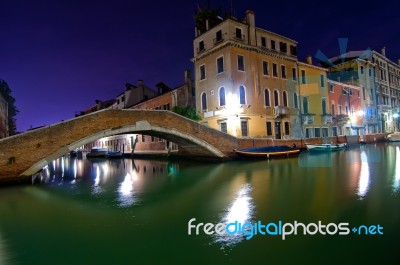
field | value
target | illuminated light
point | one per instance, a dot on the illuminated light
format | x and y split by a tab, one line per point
396	115
126	190
241	211
105	169
396	180
360	113
75	169
363	183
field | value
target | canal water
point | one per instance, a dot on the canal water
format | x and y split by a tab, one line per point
138	211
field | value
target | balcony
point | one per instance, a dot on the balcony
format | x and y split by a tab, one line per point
341	118
308	118
240	37
327	118
281	111
200	49
218	40
384	108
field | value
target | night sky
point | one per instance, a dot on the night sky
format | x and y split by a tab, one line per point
58	57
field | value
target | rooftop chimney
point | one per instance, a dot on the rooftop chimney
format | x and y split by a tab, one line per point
383	51
309	59
250	18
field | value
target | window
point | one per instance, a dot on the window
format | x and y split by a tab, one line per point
296	103
294	74
344	91
269	128
324	132
152	139
370	72
362	70
347	110
274	70
240	62
242	95
238	33
317	132
283	47
267	98
220	64
273	45
305	105
351	91
308	132
340	109
283	71
244	128
287	128
303	77
276	98
331	88
364	93
203	101
333	109
218	36
202	72
263	42
334	131
322	79
223	126
222	96
201	46
265	68
143	138
293	50
323	105
285	99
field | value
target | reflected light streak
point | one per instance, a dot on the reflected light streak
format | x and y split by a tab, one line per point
126	193
363	183
396	177
3	252
75	168
241	211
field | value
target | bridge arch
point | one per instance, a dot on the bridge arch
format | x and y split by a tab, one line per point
25	154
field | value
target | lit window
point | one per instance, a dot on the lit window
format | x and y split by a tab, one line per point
242	95
221	93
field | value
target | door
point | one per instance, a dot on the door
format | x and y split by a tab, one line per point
278	133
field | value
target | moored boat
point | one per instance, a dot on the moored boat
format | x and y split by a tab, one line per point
267	151
326	147
394	137
97	152
114	154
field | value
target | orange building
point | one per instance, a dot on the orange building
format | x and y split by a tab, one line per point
346	108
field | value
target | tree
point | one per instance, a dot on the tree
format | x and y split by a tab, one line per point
188	112
12	109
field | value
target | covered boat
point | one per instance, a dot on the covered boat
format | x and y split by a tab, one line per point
394	137
326	147
97	152
267	151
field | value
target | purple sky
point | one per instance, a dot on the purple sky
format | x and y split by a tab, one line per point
59	56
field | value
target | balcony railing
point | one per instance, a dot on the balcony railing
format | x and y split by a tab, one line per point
327	118
341	118
201	49
308	118
281	111
218	40
240	37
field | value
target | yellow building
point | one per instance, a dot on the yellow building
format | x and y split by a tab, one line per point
245	77
315	118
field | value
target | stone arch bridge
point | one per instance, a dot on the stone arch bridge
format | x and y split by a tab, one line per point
25	154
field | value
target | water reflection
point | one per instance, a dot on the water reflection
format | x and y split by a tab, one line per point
241	211
396	176
363	183
126	191
4	259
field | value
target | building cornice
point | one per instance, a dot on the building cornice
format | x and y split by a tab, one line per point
330	81
312	66
231	43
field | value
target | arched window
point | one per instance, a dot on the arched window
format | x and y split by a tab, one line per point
323	105
276	98
305	105
221	93
285	101
242	95
203	101
296	103
266	98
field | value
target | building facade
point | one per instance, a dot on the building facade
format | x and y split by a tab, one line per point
345	103
387	80
315	117
357	69
245	78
